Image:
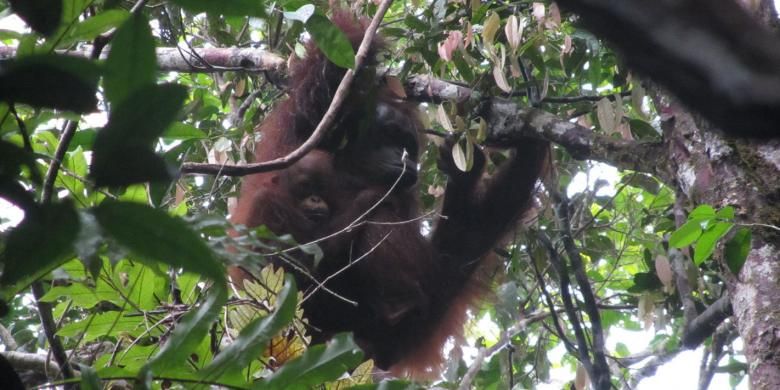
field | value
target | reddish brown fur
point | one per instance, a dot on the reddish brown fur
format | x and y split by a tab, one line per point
412	291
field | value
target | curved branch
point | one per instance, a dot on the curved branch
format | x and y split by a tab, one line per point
322	128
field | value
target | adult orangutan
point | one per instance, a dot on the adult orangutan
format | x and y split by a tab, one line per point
412	290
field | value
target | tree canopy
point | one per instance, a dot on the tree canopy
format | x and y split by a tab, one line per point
125	127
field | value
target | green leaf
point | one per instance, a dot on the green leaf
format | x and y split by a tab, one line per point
182	132
146	285
98	24
156	236
42	241
622	350
132	62
708	240
331	40
10	34
643	181
702	213
84	138
101	325
81	295
686	234
123	152
50	81
727	213
737	249
318	364
43	16
645	281
642	130
255	336
89	378
225	7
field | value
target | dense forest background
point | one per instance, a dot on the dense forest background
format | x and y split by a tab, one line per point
118	120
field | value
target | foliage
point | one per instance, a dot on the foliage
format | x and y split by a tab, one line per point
133	257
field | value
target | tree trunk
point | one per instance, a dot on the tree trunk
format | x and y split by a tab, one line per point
710	169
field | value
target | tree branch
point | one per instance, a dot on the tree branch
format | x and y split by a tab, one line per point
651	367
678	262
705	323
599	375
21	361
508	122
200	60
504	340
570	348
568	303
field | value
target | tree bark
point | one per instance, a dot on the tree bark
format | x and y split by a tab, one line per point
744	174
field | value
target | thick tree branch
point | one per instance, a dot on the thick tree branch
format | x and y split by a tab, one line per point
705	323
200	60
508	122
711	54
21	361
430	89
7	339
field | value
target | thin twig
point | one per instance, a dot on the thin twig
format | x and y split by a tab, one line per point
352	225
346	267
764	225
358	221
303	271
504	340
568	303
550	305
